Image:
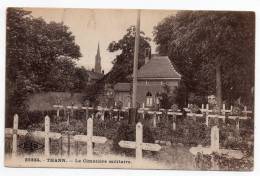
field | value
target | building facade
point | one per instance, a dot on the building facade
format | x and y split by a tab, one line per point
152	78
122	93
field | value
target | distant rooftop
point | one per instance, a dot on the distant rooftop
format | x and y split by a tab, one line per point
158	67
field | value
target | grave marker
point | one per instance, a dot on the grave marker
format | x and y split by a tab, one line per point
47	135
214	138
174	122
215	147
138	145
154	120
15	132
58	109
245	111
89	138
72	107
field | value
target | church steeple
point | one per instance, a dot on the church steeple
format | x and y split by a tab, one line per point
98	61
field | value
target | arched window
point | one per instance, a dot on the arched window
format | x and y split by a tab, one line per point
149	99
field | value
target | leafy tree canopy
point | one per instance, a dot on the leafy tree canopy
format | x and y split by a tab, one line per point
123	63
40	56
196	41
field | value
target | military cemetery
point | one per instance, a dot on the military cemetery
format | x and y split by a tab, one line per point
182	100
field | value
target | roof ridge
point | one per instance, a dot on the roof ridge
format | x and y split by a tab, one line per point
158	67
173	67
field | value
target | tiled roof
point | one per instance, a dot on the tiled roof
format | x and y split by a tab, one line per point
122	87
94	75
158	67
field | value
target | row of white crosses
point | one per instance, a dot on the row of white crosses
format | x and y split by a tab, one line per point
139	145
41	134
155	115
223	116
99	108
214	147
224	110
89	138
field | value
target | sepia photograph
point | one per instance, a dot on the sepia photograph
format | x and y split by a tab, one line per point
129	89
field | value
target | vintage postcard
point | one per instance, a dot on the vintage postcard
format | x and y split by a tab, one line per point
135	89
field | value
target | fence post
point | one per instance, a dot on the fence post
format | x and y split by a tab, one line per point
139	141
154	120
224	112
87	113
72	111
61	144
214	138
214	146
58	111
89	140
15	128
47	140
237	124
103	115
207	113
245	111
174	122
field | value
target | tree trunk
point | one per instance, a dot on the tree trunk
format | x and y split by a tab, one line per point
218	86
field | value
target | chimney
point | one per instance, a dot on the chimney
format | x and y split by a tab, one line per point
147	55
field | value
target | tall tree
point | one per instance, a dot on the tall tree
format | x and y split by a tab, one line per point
35	52
210	46
123	63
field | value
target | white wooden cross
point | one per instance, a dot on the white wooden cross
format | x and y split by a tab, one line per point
194	115
214	147
87	111
216	116
15	132
237	119
223	111
154	120
72	107
174	114
58	109
155	116
206	111
245	111
47	135
139	145
103	115
142	110
89	138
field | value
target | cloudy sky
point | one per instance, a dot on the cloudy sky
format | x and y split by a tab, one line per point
91	26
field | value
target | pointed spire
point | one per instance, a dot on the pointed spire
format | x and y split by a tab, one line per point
98	61
98	50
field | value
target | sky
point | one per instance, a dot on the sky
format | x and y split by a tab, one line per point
93	26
